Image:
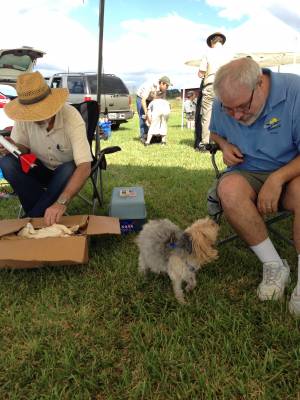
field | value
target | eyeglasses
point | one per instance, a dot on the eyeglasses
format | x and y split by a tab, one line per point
243	108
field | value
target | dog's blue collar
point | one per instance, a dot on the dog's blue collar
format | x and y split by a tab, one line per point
172	245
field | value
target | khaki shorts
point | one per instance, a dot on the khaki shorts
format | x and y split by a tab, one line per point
255	179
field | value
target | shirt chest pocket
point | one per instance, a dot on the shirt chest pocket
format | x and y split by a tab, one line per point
63	151
273	143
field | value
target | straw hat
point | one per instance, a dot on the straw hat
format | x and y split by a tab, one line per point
35	101
213	35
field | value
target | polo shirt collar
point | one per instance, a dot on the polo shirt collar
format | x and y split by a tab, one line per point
278	92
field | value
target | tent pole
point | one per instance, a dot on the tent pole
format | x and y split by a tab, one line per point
99	71
182	107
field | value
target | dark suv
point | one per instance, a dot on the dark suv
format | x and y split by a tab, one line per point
115	98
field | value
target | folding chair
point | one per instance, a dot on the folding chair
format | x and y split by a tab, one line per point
281	215
89	111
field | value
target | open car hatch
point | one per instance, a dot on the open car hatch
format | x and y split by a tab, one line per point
14	62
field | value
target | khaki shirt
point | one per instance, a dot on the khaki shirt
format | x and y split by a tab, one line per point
67	140
212	61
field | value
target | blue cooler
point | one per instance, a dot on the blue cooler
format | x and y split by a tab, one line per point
128	204
1	175
105	128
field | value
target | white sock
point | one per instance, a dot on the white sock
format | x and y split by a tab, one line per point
266	252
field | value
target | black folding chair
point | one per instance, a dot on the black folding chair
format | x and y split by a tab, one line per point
89	111
279	216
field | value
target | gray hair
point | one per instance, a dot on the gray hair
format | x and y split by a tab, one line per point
241	72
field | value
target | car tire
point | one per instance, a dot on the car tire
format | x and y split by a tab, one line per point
115	126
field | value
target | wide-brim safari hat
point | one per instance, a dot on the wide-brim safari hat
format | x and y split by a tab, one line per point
213	35
35	101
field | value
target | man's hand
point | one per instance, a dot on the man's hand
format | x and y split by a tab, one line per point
268	197
231	155
3	151
54	213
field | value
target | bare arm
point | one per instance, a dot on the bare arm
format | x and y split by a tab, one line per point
201	74
77	180
144	105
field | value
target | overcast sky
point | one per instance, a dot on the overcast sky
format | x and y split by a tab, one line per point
145	39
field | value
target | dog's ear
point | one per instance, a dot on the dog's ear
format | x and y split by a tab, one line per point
185	242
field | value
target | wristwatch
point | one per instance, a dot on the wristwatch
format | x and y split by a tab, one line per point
63	201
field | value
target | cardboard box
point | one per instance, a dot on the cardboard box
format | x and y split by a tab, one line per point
30	253
128	204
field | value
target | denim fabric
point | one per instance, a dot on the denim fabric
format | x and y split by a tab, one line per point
38	189
143	127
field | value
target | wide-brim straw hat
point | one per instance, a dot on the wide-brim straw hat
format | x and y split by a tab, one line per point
213	35
35	101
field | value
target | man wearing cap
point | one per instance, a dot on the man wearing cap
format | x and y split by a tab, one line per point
55	132
143	98
214	58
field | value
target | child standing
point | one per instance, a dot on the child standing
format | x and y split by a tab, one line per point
157	117
190	109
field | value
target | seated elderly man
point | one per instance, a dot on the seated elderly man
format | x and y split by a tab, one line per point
55	132
256	123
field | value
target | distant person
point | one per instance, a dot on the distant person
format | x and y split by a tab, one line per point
143	99
189	107
215	56
157	118
55	132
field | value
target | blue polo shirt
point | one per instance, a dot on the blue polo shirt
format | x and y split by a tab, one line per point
274	138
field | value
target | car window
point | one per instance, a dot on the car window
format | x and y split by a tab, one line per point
76	85
56	83
110	85
21	63
113	84
92	83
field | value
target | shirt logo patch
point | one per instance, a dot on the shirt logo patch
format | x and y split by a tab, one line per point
272	124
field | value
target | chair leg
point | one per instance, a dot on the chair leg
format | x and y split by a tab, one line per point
97	193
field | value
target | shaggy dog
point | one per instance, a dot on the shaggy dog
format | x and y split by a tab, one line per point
164	247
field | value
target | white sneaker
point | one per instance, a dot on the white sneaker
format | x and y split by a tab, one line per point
294	304
275	279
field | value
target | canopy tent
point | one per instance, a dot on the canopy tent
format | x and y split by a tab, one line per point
264	59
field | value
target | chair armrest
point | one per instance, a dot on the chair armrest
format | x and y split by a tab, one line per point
212	147
110	150
100	160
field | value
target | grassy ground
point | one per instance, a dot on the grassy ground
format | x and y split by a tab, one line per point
99	331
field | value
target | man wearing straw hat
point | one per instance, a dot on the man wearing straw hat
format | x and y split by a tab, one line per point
55	132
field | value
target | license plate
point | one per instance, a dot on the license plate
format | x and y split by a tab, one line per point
112	115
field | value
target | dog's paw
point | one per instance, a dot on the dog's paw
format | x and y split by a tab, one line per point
181	300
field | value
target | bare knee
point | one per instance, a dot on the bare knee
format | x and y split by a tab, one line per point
233	190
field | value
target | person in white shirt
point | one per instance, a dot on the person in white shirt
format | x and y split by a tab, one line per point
189	107
215	57
157	118
143	98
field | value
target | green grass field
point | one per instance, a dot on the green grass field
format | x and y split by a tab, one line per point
100	331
